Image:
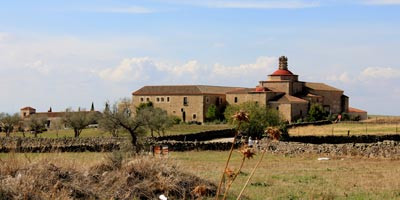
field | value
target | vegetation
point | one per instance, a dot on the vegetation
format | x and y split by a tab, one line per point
155	120
316	113
105	177
36	124
8	122
79	120
213	113
277	177
260	117
345	128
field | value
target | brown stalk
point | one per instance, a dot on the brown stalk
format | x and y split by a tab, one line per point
251	175
233	178
226	165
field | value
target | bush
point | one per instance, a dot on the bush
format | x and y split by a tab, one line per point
176	119
260	117
316	113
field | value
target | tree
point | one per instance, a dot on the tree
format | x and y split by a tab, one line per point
56	124
36	124
79	120
155	119
8	122
260	117
121	116
316	113
108	125
212	113
144	105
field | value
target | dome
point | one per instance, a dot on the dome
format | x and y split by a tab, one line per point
282	72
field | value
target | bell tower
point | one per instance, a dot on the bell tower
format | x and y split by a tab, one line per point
283	63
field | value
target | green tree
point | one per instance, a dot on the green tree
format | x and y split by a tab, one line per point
144	105
316	113
155	120
212	113
260	117
36	124
56	125
79	120
8	122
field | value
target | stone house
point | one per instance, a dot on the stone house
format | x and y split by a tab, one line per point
282	91
188	102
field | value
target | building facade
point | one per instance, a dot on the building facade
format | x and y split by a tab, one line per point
282	90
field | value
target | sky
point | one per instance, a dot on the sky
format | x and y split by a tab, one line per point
68	54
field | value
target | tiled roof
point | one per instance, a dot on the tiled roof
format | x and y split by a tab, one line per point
183	90
355	110
290	99
321	86
282	72
27	108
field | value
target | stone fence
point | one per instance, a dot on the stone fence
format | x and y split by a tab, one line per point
97	144
331	139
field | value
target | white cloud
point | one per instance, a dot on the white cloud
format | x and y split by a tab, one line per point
127	10
144	68
39	66
263	65
380	73
344	77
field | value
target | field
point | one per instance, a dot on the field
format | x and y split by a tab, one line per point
278	177
343	128
94	132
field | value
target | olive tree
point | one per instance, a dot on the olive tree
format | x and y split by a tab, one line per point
8	122
155	120
120	116
79	120
36	124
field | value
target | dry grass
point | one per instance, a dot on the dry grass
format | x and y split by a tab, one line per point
278	176
383	119
302	177
343	128
141	177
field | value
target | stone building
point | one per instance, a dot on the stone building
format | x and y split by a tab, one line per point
282	91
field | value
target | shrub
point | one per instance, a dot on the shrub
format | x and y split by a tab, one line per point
316	113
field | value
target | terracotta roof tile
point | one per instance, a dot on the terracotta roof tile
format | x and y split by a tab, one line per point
355	110
183	90
321	86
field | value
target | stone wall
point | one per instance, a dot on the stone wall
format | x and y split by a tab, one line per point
39	145
201	136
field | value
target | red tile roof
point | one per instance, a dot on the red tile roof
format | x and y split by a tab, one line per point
355	110
282	72
183	90
27	108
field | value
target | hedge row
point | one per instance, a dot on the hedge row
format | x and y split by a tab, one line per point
201	136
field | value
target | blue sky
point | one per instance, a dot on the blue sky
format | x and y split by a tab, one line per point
70	53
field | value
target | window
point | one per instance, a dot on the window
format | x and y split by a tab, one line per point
167	99
185	101
217	102
236	99
162	99
277	108
207	100
158	99
194	116
147	99
141	99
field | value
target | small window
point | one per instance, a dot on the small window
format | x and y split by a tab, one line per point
236	99
194	116
141	99
147	99
185	101
167	99
277	108
162	99
207	100
217	101
158	99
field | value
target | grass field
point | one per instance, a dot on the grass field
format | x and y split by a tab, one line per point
343	128
278	177
94	132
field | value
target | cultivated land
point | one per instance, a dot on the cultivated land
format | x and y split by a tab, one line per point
278	177
343	128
